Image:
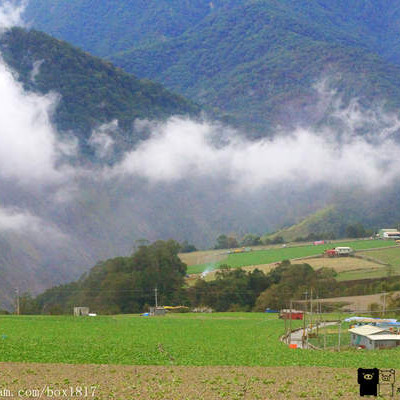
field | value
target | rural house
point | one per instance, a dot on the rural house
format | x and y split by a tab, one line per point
389	234
291	314
373	337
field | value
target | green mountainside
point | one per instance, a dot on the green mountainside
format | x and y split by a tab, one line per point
262	66
92	91
257	60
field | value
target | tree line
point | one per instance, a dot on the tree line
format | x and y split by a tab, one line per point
127	285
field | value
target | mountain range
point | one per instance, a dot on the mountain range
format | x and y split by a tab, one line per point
193	119
256	61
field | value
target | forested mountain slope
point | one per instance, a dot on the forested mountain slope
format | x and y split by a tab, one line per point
91	91
257	60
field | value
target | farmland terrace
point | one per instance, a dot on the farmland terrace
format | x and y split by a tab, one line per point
264	257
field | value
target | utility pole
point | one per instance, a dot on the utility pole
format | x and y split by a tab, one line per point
340	329
290	322
311	309
304	319
384	304
17	300
155	295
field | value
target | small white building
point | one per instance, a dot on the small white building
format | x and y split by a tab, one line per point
373	337
81	311
389	234
155	311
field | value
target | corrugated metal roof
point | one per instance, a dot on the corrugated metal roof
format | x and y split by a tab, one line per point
367	330
384	337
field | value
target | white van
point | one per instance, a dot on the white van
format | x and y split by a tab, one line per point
343	251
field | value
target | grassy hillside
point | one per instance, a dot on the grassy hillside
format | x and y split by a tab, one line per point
323	221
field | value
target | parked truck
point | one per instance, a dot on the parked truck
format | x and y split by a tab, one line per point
338	252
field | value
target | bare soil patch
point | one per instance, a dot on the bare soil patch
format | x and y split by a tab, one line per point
179	382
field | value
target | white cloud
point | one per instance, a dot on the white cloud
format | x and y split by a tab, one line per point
182	148
35	70
28	146
23	222
101	139
10	14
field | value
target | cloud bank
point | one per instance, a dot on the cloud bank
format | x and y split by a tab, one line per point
185	149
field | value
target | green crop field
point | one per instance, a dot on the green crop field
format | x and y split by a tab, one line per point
278	254
389	256
235	339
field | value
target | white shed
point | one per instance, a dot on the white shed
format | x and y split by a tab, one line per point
373	337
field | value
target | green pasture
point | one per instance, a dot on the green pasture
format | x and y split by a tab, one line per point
272	255
389	256
241	339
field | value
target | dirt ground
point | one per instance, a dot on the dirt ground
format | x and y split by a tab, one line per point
159	382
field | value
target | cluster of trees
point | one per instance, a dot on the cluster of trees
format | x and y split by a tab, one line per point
119	285
232	290
250	239
357	231
316	236
187	247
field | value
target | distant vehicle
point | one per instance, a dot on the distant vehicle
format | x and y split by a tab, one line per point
330	253
343	251
338	252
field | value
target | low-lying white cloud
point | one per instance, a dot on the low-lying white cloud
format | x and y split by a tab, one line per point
28	144
23	222
182	149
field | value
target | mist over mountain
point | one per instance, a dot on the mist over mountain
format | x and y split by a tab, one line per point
92	158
